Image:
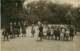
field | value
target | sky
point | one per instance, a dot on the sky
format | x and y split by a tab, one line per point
74	3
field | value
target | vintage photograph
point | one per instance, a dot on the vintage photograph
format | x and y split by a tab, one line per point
40	25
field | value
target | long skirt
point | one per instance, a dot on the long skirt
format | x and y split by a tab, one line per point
40	34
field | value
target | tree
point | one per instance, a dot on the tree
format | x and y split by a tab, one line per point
37	10
10	9
50	12
76	17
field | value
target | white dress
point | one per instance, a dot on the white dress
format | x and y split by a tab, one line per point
51	31
67	33
62	32
45	31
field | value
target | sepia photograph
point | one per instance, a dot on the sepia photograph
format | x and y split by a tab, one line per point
40	25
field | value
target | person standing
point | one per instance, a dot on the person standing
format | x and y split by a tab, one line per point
58	32
33	30
40	32
23	32
5	33
52	32
67	34
45	31
48	33
62	35
23	29
18	29
71	33
55	33
14	30
11	30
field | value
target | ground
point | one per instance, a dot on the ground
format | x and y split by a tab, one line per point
30	44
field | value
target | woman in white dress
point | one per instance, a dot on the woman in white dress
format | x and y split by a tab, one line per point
62	33
52	33
67	34
33	30
45	32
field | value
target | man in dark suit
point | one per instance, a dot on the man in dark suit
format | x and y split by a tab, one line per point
41	32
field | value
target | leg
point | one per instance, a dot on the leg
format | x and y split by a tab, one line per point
4	37
72	37
59	37
55	37
7	37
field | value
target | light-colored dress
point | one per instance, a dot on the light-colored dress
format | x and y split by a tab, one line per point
62	32
45	31
67	33
51	31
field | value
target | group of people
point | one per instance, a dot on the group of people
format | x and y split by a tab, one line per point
57	32
12	30
46	31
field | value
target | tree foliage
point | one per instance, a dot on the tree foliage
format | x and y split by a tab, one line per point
50	12
54	13
10	9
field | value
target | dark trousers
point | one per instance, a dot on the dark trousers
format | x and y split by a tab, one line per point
40	35
6	37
